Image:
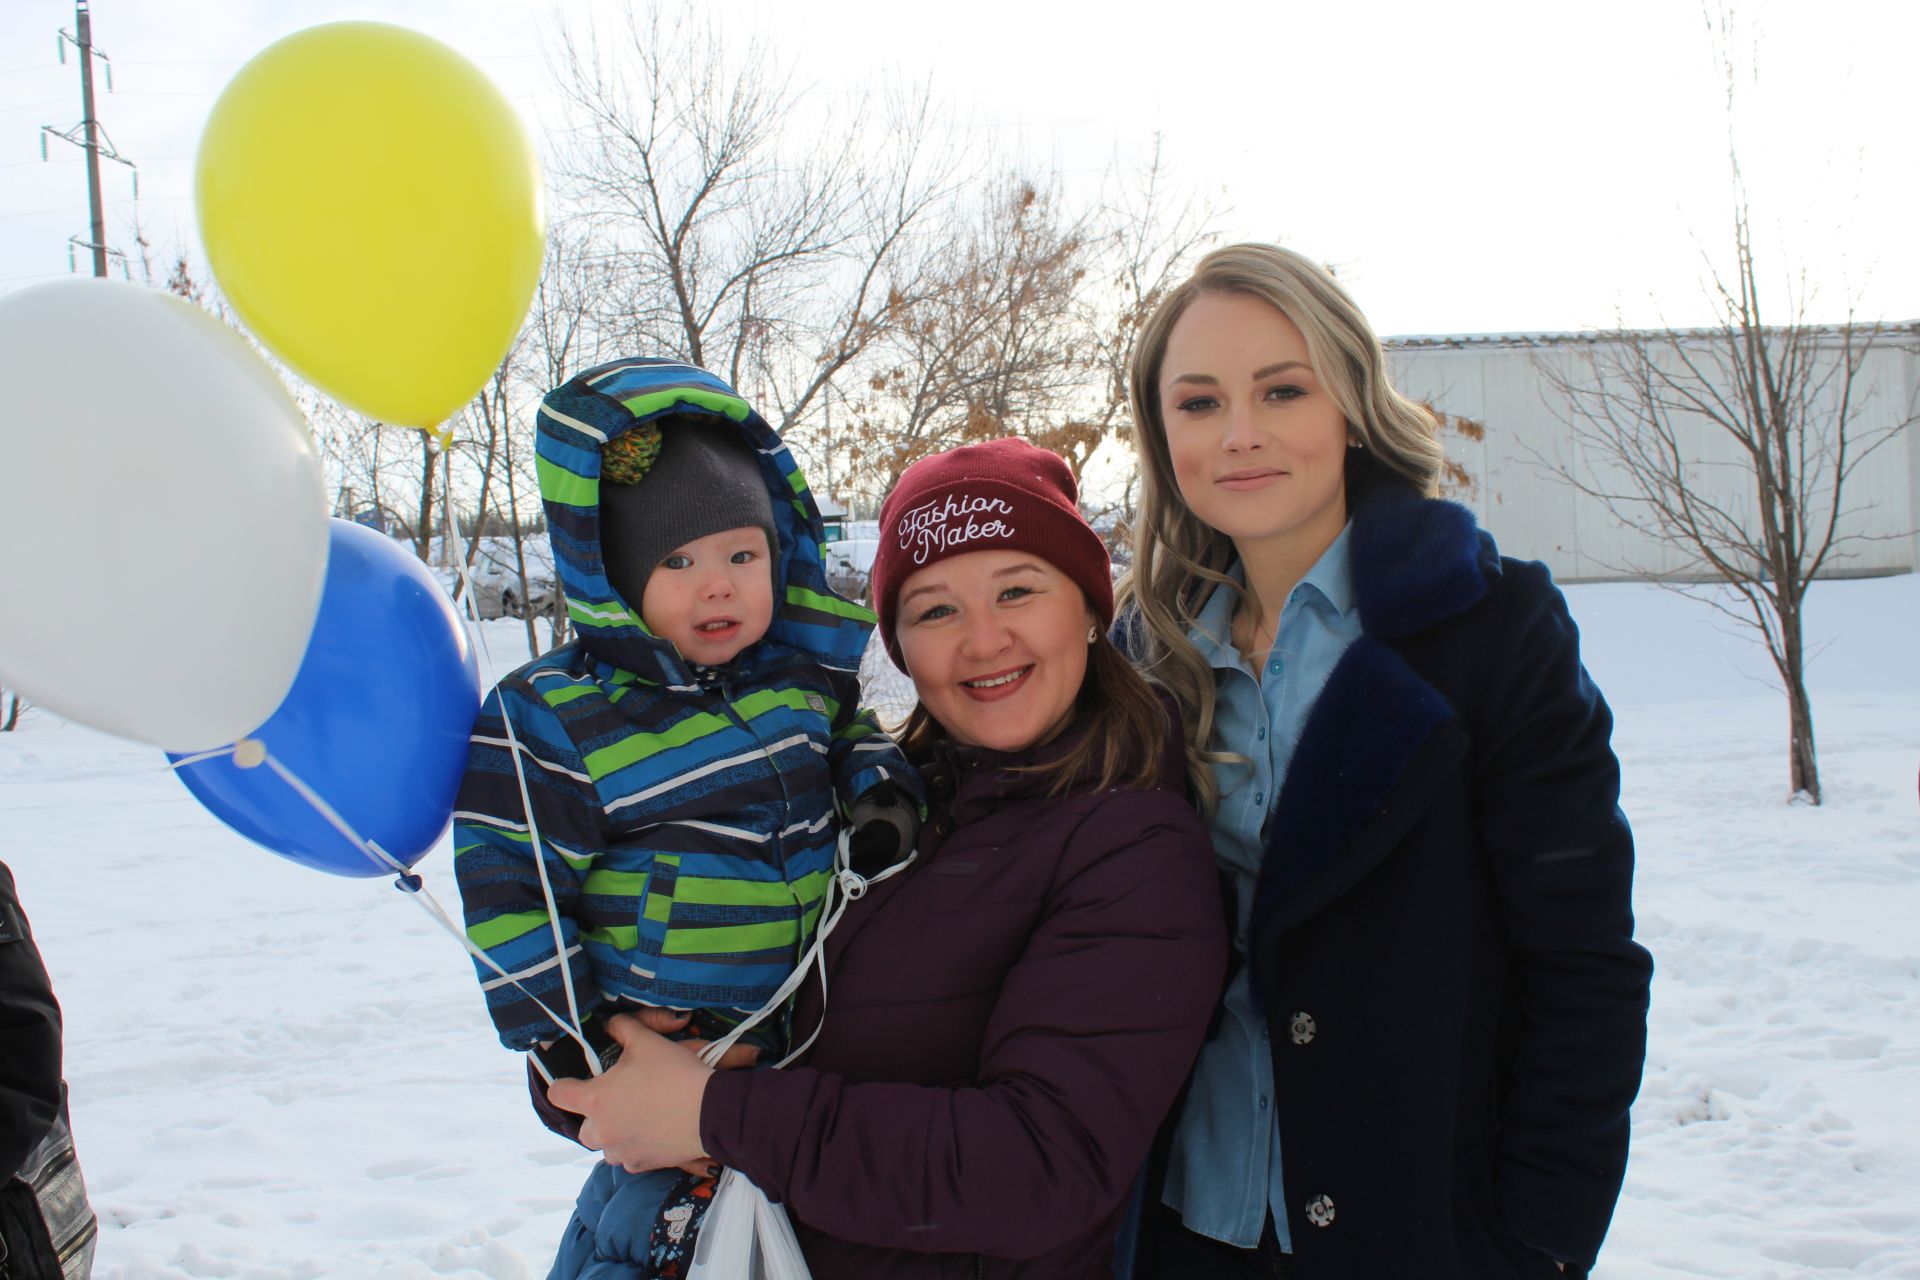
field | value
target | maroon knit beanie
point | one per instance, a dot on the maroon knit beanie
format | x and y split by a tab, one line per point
1004	495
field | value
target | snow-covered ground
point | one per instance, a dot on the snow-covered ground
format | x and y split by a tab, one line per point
279	1074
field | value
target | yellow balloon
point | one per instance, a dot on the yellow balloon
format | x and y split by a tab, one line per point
372	208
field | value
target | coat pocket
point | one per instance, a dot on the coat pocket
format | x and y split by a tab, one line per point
652	917
1485	1247
625	903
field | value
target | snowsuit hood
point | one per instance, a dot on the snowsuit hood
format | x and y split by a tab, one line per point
576	421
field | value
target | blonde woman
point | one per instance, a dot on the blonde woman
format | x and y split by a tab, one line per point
1436	1023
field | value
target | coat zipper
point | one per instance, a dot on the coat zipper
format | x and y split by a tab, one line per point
786	798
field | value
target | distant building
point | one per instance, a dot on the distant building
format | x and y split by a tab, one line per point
1503	382
833	517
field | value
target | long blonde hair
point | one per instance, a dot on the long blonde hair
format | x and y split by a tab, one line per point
1178	560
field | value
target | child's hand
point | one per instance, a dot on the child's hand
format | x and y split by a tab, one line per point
644	1112
668	1021
885	824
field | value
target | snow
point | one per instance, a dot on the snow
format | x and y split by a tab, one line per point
277	1074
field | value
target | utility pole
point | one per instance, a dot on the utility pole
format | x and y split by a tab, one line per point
90	137
91	124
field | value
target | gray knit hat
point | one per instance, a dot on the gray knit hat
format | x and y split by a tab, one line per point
702	482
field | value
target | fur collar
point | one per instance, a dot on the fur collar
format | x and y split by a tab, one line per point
1416	563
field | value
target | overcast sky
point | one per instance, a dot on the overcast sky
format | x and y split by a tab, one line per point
1472	166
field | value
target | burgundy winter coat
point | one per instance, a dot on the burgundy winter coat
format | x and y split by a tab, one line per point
1007	1023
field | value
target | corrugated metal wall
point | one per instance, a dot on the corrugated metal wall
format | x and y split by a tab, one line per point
1510	387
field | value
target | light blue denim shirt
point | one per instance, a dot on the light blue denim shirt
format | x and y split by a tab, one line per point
1224	1174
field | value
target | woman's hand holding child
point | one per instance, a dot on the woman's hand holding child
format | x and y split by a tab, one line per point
644	1111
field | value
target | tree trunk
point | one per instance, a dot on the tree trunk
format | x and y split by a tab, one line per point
1803	770
423	527
486	483
519	544
559	624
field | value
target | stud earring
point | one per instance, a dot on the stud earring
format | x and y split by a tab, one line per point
1093	634
1353	442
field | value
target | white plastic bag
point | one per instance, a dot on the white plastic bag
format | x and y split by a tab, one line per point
745	1236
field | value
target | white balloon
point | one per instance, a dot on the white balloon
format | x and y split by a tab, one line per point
163	522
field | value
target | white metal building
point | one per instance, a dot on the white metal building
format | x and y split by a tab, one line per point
1506	383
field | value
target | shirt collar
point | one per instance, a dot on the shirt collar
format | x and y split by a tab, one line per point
1332	573
1212	629
1331	576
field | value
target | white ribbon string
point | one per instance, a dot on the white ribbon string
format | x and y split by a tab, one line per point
852	886
471	614
416	888
845	884
184	761
573	1023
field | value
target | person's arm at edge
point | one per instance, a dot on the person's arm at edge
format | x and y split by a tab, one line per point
1562	861
30	1050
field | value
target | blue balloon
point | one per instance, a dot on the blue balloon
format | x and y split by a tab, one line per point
376	722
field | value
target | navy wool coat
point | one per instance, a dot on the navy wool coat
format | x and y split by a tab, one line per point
1442	930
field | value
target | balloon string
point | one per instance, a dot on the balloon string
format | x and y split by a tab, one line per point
850	887
217	752
456	545
470	616
320	806
412	882
546	890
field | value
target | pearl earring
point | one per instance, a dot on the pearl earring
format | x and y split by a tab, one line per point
1093	634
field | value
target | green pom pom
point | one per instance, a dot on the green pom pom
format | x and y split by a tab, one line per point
627	458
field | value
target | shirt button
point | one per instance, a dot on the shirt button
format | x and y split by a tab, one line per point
1263	1102
1320	1211
1259	797
1273	668
1262	734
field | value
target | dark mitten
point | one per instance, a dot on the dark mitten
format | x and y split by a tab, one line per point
885	824
564	1059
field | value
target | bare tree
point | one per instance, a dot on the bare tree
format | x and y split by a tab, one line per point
1456	481
1152	235
566	331
741	247
1151	238
989	342
423	518
1731	447
370	464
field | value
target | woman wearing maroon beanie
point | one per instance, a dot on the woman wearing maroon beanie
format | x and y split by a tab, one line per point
1013	1011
